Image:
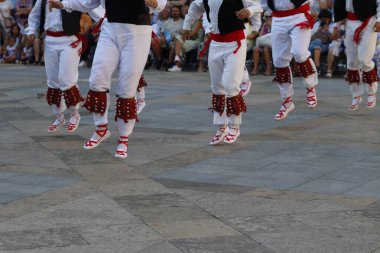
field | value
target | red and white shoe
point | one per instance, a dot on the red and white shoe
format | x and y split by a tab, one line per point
73	124
355	103
56	125
371	100
97	138
140	105
232	135
311	97
286	107
245	87
219	136
122	148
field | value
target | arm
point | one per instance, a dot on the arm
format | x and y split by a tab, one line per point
336	34
253	6
252	35
160	5
196	29
79	5
97	13
256	22
195	11
262	30
34	19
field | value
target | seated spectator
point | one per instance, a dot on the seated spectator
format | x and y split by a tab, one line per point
171	28
11	51
6	19
335	48
163	16
202	50
179	47
23	8
38	46
263	44
250	36
321	36
15	33
26	56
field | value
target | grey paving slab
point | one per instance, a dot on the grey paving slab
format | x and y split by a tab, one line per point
31	153
347	221
231	244
9	134
129	247
162	208
45	200
370	188
326	186
93	210
19	113
38	170
132	188
194	229
118	233
161	247
14	186
32	239
223	205
318	241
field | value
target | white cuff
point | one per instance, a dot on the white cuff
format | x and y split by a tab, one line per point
187	24
31	33
67	6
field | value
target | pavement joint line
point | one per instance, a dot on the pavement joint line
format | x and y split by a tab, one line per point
330	172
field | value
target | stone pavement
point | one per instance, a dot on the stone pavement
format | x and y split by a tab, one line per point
310	184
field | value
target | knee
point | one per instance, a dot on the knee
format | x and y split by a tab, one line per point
280	63
366	64
300	56
232	91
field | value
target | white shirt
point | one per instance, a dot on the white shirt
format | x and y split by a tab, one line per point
206	25
53	19
282	5
197	9
87	5
6	8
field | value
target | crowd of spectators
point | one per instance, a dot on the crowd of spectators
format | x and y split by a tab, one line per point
168	50
14	46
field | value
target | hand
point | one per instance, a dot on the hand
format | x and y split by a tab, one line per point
31	38
243	14
255	34
151	3
55	4
376	28
185	35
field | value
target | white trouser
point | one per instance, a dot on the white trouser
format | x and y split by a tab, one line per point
245	76
140	94
61	62
58	111
359	57
123	46
226	72
289	41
